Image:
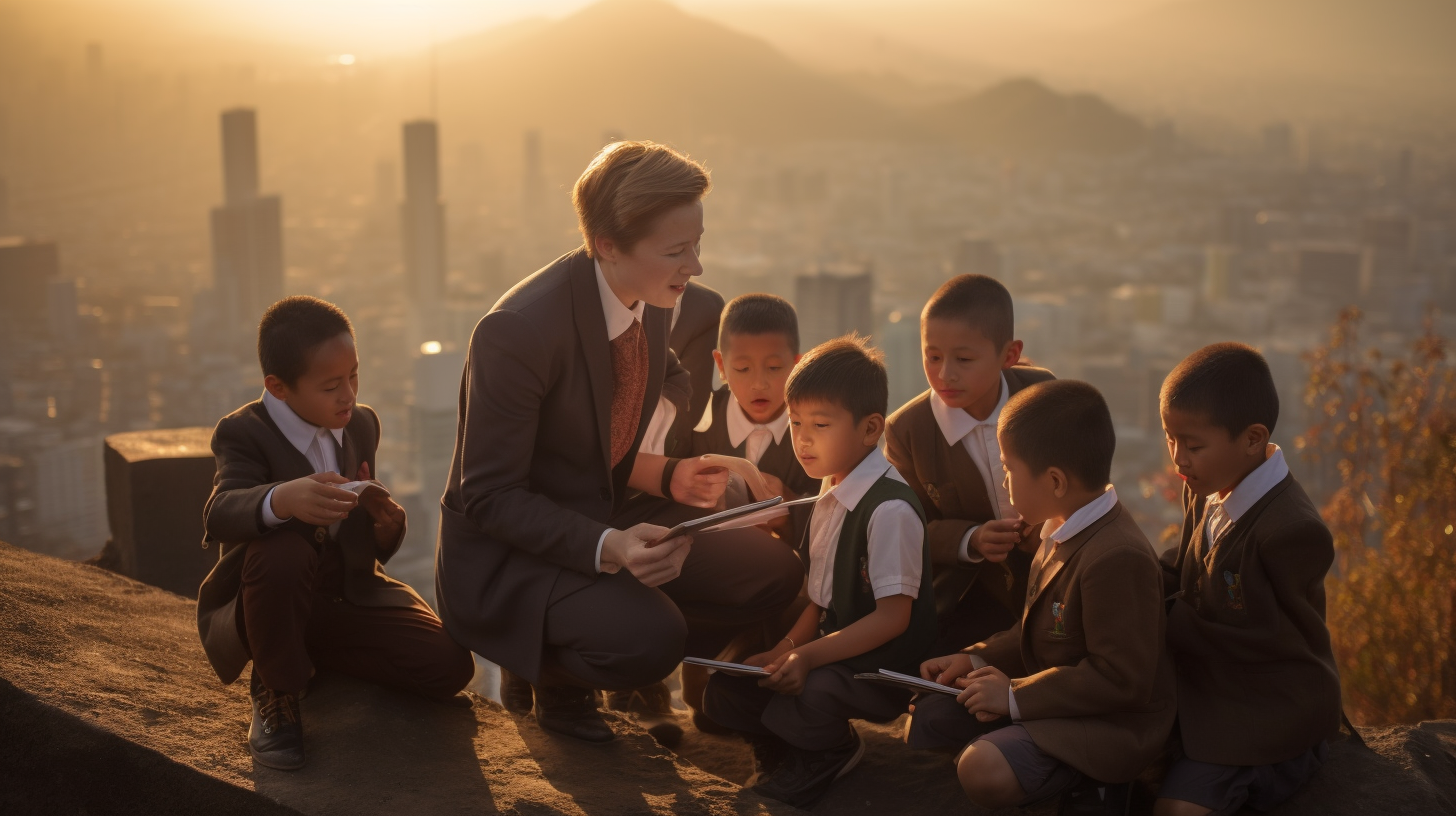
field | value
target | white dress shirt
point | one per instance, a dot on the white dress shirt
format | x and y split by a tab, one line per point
1075	523
1223	513
619	319
317	444
896	535
978	436
758	436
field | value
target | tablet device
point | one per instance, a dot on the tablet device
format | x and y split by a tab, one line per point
892	678
698	524
735	669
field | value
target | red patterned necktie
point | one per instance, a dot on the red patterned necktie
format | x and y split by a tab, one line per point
629	373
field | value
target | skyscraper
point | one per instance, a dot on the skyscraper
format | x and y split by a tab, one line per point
26	271
835	300
423	215
247	230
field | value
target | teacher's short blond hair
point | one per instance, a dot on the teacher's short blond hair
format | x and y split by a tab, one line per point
628	185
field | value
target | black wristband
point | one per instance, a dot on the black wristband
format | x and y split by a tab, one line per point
667	471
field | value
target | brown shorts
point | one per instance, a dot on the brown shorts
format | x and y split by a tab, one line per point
1224	789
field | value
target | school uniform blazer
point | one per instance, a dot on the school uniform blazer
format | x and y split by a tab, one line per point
954	494
531	486
253	456
1257	682
693	338
1092	680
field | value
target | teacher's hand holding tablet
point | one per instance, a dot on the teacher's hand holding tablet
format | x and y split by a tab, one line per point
652	565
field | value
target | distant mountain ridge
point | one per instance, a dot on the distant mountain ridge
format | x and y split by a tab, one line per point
646	68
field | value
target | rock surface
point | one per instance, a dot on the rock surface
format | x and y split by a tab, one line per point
107	705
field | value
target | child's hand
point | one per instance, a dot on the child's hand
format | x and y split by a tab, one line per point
995	539
763	659
776	488
697	483
986	693
786	675
945	670
388	519
314	499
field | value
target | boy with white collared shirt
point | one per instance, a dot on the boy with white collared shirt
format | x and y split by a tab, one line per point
944	443
1076	699
867	610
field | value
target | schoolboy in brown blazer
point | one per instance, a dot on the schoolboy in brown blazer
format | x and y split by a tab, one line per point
299	582
1081	688
972	362
1258	689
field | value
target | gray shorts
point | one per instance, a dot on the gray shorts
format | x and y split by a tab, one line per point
1226	788
1041	775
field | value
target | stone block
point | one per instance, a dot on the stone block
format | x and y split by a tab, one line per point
157	483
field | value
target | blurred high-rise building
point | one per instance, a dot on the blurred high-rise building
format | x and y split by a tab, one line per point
423	215
26	271
834	300
436	401
247	230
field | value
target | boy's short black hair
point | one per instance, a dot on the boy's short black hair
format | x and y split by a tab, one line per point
1229	383
846	371
979	301
291	329
1064	424
759	313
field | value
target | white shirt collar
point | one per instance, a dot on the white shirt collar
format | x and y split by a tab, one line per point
1255	485
298	431
740	426
619	317
859	481
1083	518
956	423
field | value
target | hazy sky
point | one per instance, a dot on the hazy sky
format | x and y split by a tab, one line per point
379	26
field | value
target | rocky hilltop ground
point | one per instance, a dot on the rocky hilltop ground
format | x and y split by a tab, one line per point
107	705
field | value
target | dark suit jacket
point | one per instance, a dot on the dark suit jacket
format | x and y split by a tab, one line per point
1257	682
1095	688
253	457
954	495
531	487
693	339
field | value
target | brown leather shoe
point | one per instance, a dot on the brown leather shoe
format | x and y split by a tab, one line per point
275	738
653	700
571	711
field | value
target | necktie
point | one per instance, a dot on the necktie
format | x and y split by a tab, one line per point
757	443
629	373
1043	557
1218	524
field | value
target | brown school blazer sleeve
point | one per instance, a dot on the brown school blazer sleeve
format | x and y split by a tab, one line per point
942	535
1172	558
1122	613
234	511
508	371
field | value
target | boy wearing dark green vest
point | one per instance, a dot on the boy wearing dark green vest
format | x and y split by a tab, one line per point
867	564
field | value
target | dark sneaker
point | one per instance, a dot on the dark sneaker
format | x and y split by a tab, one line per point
275	738
1096	799
768	755
573	712
805	776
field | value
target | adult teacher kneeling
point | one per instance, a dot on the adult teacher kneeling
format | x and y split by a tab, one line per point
538	568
